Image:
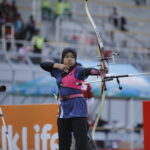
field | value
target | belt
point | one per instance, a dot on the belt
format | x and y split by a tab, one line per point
70	96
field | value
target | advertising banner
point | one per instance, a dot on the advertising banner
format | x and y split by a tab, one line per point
146	121
30	127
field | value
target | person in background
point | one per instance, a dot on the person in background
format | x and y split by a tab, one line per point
139	2
67	9
19	27
46	10
88	95
73	113
114	17
118	21
22	52
58	9
30	28
38	43
62	8
13	8
2	22
4	6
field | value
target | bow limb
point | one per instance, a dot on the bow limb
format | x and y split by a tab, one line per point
102	66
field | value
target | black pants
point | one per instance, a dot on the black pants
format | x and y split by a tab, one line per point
79	128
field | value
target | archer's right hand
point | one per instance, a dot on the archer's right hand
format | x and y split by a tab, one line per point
62	67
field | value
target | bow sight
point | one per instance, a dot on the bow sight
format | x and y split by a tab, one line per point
107	59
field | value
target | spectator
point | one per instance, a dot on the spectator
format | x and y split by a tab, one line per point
8	11
113	17
14	26
4	6
37	41
67	9
30	28
13	9
123	23
58	8
62	9
139	2
19	27
22	52
10	18
46	10
2	21
8	34
2	18
118	21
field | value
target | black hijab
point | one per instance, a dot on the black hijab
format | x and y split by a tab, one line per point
67	50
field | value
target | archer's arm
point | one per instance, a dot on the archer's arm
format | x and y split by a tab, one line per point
93	71
48	66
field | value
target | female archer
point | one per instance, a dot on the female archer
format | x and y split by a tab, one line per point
73	107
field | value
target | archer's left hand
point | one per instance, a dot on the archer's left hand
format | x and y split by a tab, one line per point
103	72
